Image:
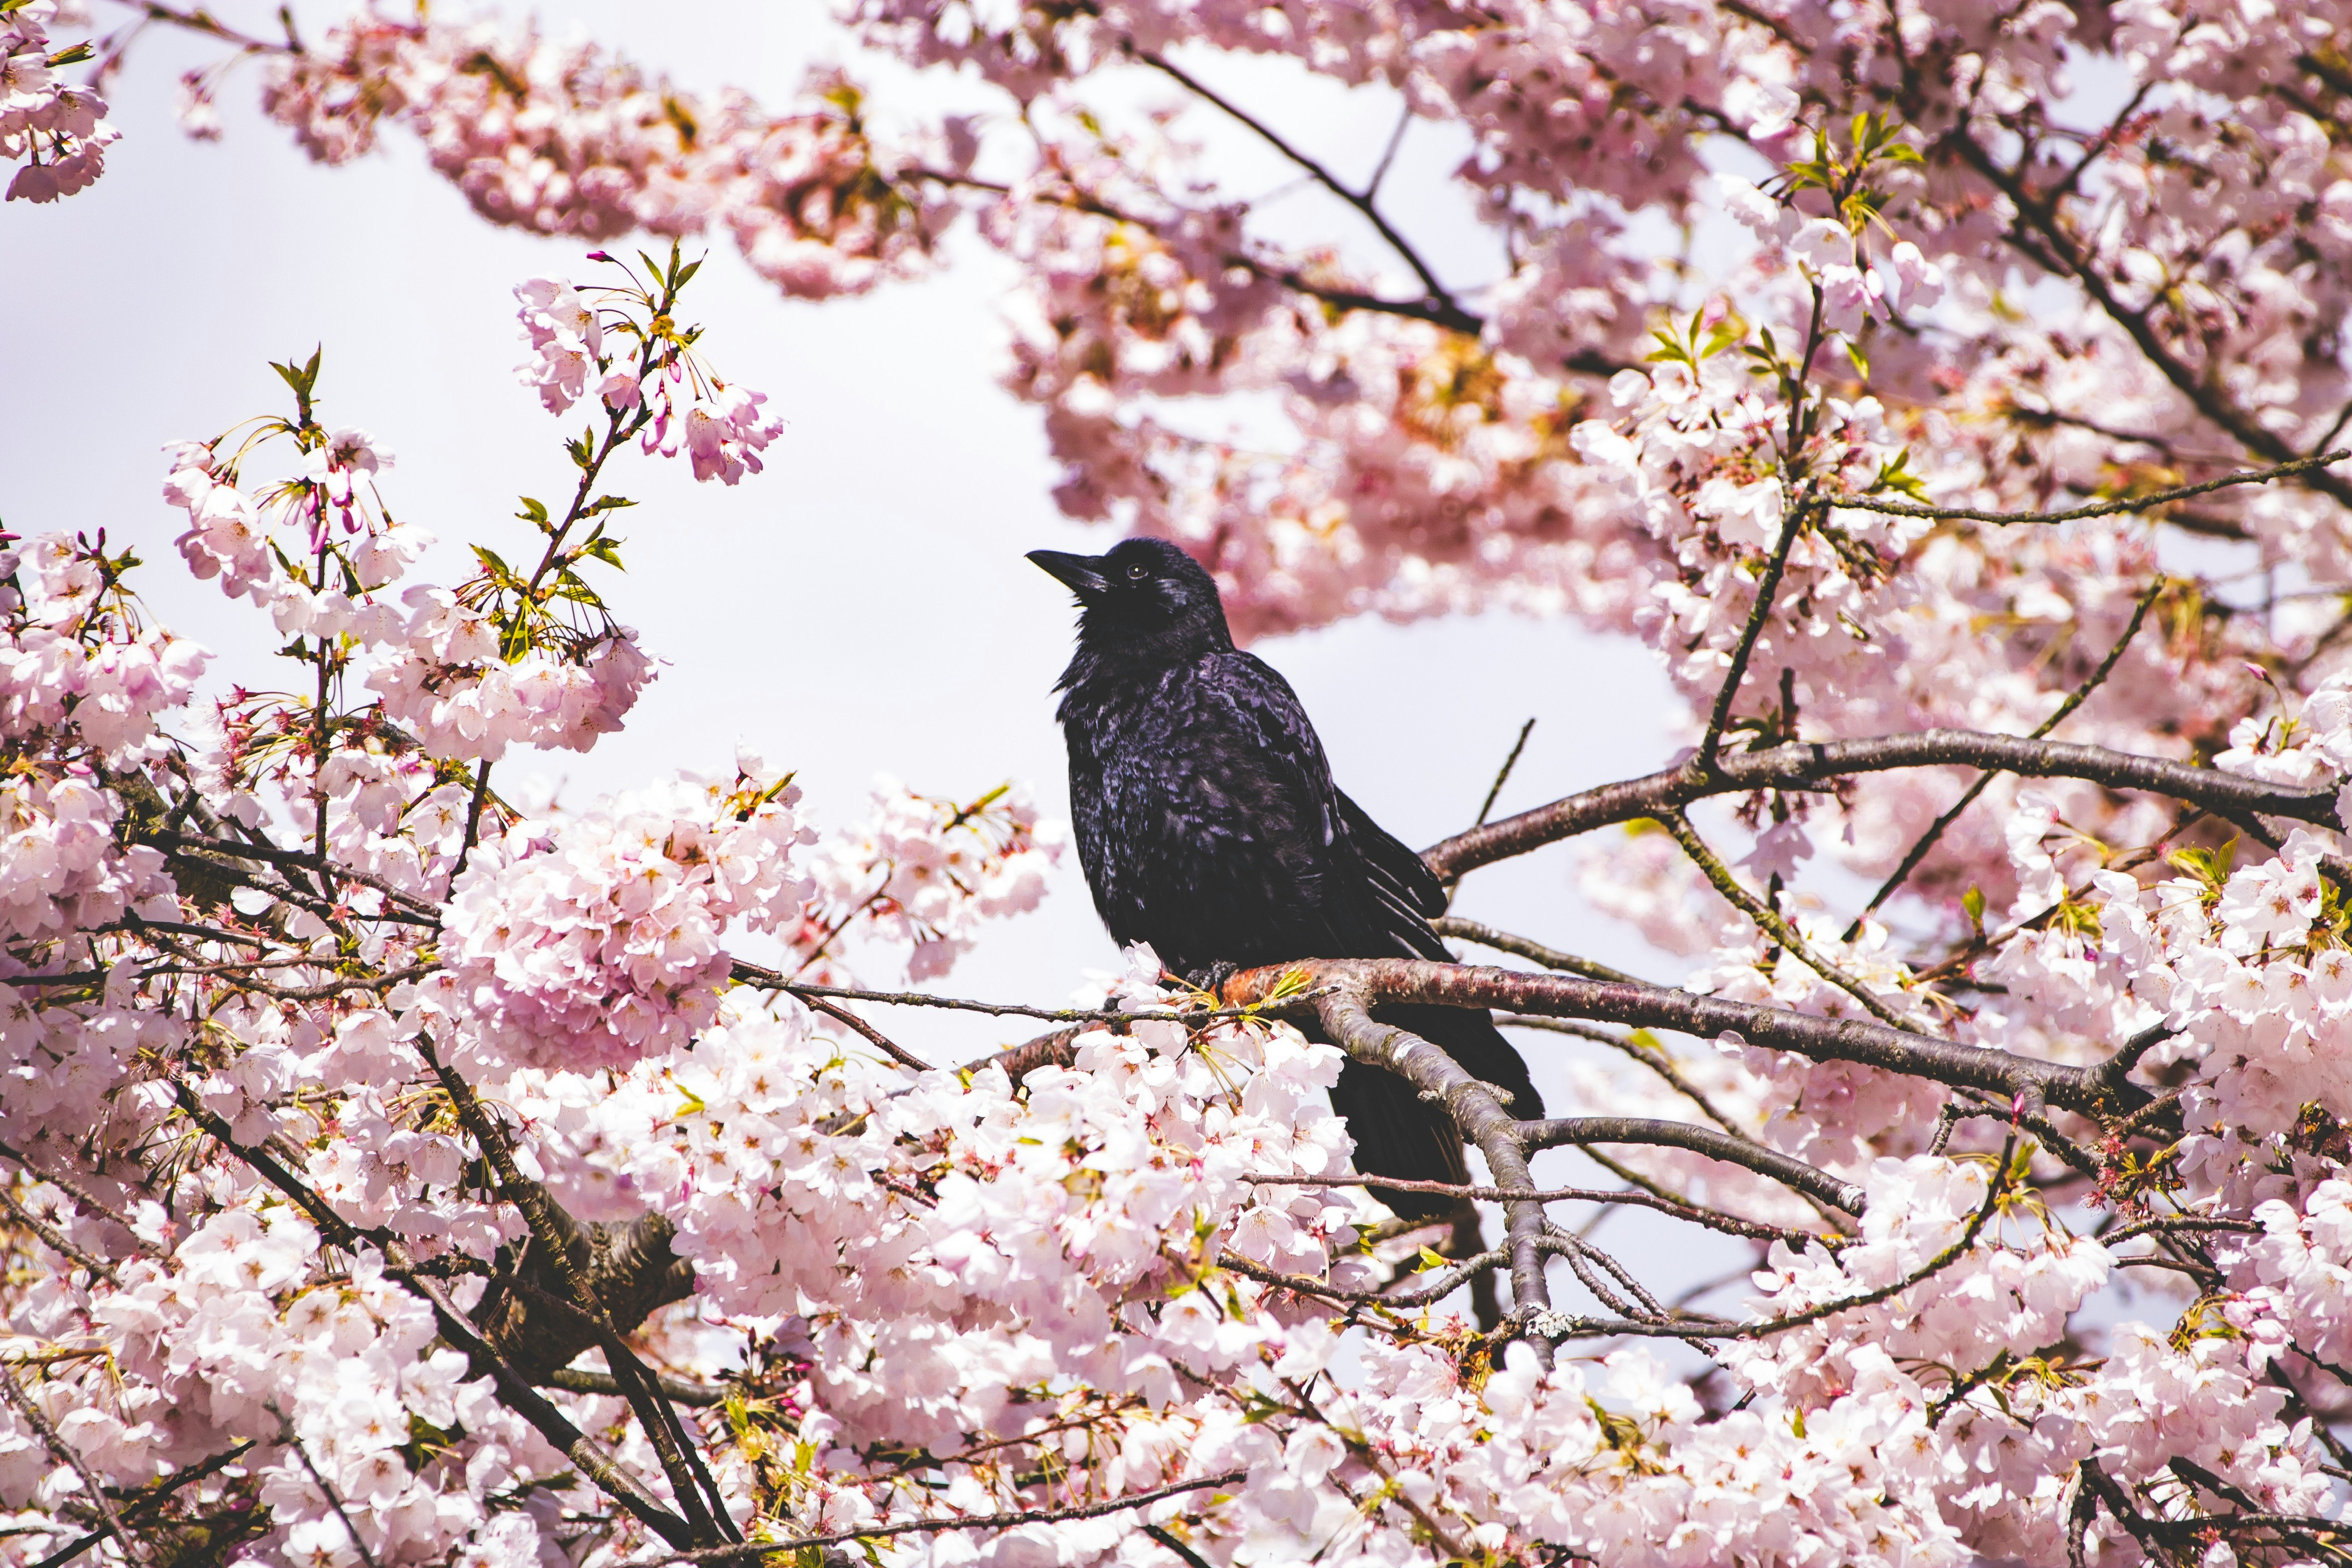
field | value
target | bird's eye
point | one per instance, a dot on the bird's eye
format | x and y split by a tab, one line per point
1138	571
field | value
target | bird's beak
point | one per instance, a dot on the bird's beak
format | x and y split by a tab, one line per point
1081	574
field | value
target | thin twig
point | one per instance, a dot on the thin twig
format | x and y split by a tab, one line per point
1522	947
1663	1203
1453	1279
2286	471
881	1042
1768	589
1927	840
1772	922
327	1488
14	1395
55	1240
1502	775
1360	200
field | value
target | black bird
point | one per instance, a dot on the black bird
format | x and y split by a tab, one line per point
1210	828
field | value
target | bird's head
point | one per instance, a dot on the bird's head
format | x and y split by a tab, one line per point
1145	597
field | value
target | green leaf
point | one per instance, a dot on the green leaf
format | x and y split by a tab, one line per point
2210	866
1861	364
71	55
514	638
568	585
1428	1262
606	503
607	550
1973	900
493	563
1895	475
533	511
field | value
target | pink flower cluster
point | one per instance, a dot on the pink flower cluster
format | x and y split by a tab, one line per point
55	127
719	427
568	140
73	666
447	682
595	939
922	874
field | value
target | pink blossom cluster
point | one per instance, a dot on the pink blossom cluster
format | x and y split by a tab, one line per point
567	139
595	939
57	127
66	872
718	426
445	680
72	664
922	874
227	534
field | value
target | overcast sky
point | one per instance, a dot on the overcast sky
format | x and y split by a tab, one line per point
862	606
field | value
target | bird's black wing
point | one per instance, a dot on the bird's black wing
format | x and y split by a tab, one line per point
1408	892
1206	817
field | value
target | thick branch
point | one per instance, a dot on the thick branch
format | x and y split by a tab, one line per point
1816	764
628	1266
514	1390
2086	1091
1475	1109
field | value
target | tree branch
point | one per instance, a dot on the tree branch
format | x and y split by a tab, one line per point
1817	764
1741	1151
2086	1090
749	1550
1360	200
2092	509
514	1390
1770	920
1475	1109
1523	947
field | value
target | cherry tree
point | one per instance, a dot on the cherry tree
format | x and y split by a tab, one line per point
393	1172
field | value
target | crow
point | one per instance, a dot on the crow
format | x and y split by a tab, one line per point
1209	826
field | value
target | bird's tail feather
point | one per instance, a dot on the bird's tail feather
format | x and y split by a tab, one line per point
1400	1134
